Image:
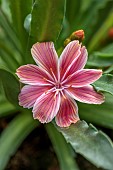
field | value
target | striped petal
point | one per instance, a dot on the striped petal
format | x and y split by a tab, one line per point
45	55
79	63
33	75
86	94
46	107
29	95
83	77
68	57
68	112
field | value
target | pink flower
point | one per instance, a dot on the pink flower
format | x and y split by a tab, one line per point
53	85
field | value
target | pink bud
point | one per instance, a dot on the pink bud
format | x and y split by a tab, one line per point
77	35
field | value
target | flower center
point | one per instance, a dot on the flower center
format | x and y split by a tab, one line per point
59	89
58	85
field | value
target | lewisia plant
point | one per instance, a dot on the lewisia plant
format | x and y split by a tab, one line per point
56	83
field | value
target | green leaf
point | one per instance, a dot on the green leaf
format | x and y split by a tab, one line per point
9	32
8	56
64	153
101	33
102	58
19	10
47	18
72	12
94	145
110	69
99	10
85	5
5	7
13	135
106	51
97	61
6	108
11	86
105	83
101	115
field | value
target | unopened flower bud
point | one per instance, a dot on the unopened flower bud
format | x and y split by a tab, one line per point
77	35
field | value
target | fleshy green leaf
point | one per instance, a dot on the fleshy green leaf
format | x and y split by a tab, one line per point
13	135
92	18
11	86
8	57
105	83
102	58
101	32
101	115
6	108
94	145
5	7
106	51
47	18
72	11
97	61
19	10
62	149
109	70
8	32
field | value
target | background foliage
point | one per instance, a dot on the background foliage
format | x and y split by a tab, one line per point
22	24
